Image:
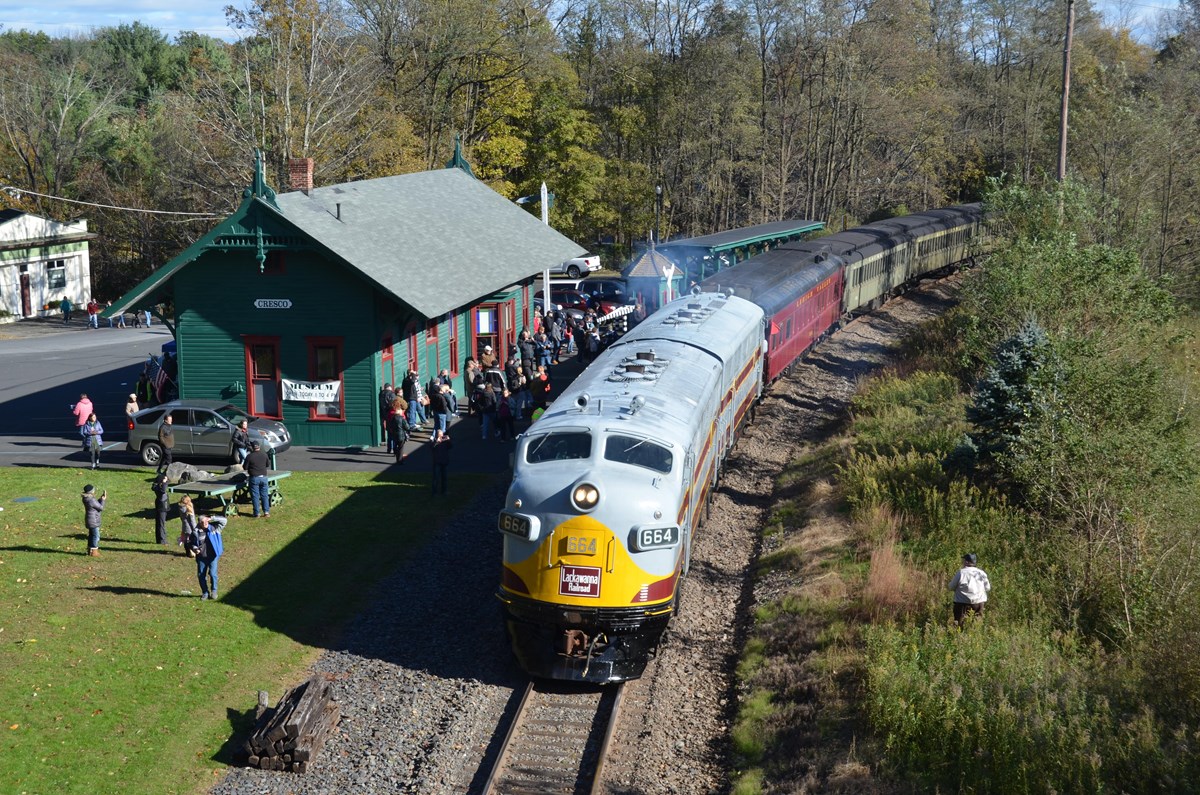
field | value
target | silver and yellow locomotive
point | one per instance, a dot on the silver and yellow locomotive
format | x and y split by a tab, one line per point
611	483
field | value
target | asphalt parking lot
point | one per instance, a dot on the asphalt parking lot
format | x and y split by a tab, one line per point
44	367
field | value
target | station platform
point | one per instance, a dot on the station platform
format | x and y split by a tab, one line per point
471	452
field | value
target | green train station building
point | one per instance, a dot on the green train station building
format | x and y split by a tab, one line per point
301	306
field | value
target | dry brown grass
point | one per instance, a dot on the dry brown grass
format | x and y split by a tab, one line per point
822	496
894	588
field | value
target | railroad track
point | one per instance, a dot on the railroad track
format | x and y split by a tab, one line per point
558	741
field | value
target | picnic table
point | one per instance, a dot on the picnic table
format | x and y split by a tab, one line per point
231	488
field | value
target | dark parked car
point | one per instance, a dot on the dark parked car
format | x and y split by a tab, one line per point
577	302
564	300
203	429
610	291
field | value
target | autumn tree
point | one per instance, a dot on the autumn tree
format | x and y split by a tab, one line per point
304	80
54	110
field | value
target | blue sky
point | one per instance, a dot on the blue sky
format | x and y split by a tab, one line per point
66	17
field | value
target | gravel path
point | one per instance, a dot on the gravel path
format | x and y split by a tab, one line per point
425	676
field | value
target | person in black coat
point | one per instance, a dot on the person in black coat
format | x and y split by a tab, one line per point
438	407
440	456
387	396
241	442
528	354
398	429
166	441
486	403
257	465
162	504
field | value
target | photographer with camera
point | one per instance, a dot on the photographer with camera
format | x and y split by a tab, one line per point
208	545
92	508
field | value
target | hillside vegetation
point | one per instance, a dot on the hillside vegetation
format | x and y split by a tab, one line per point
1048	425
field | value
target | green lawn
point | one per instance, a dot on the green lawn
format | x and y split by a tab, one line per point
116	677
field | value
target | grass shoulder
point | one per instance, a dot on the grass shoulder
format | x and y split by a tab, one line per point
118	678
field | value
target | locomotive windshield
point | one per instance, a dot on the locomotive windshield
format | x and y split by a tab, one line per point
638	452
562	446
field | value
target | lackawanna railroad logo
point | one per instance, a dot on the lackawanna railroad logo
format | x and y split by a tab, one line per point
579	581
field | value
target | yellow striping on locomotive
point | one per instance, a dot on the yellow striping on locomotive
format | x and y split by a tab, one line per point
582	563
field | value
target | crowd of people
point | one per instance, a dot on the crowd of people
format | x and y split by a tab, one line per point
499	395
93	308
200	535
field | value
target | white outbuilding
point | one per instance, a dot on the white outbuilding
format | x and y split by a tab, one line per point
42	261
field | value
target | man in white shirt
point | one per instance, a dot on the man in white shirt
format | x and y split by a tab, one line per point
970	586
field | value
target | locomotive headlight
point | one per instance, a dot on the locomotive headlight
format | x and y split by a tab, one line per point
585	496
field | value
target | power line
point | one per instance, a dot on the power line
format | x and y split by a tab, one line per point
15	192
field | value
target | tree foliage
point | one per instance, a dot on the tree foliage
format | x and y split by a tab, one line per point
744	111
1081	413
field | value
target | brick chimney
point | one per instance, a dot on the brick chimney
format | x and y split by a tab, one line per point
300	173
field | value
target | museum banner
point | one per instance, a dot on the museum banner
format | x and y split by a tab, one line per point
311	391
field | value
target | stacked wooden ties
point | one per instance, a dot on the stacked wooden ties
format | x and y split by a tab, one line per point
290	736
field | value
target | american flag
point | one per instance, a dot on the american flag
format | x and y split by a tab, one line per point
160	380
158	376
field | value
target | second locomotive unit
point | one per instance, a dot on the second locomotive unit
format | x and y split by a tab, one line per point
611	484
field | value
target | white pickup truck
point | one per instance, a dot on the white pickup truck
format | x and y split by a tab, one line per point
579	266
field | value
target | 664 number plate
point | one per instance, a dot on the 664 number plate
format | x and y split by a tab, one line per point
645	538
515	523
576	545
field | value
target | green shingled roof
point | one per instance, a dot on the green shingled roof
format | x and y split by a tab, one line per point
438	239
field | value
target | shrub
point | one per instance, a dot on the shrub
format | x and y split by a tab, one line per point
923	413
990	709
1018	387
896	480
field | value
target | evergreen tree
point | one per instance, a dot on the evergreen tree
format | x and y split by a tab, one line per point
1016	391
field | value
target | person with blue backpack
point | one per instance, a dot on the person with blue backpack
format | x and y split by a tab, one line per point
208	545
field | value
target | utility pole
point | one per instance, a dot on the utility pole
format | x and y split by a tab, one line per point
1066	93
657	212
545	196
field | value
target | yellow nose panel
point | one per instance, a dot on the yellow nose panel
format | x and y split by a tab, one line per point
582	563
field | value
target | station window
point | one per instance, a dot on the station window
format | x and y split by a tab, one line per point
452	329
325	365
262	376
387	361
56	274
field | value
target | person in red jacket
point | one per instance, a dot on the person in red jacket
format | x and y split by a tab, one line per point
82	410
539	388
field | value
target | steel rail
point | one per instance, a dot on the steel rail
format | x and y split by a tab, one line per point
554	742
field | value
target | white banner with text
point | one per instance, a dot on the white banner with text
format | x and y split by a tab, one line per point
311	391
